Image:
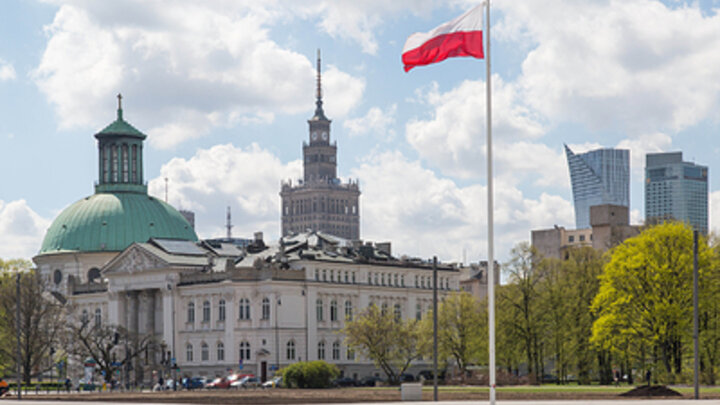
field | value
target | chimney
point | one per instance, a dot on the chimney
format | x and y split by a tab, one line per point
384	247
258	236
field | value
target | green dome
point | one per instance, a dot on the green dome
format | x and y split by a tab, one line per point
112	222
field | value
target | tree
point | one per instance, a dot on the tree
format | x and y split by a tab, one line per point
644	304
462	331
391	343
111	347
40	319
522	300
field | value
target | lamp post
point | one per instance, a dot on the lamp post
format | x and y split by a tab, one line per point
17	333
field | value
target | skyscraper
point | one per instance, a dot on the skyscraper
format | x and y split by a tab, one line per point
320	201
676	190
598	177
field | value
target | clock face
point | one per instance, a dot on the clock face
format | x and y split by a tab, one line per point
325	136
314	136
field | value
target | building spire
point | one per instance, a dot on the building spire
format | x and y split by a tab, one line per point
229	224
119	110
319	113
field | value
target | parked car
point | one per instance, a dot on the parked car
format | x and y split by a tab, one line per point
371	381
406	377
344	382
275	382
428	375
246	382
225	382
195	383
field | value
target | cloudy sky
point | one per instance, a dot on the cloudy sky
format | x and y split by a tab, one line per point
223	89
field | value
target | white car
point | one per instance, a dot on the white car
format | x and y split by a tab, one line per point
246	382
275	382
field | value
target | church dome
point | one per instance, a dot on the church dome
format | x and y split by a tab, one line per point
112	222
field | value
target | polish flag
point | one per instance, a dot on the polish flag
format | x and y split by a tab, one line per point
459	37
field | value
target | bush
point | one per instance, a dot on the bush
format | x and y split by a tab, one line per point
309	374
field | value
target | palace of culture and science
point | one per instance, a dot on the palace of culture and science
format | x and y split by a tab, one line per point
320	201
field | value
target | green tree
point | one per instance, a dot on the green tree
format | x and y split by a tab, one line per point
522	300
40	319
644	304
709	317
392	344
462	331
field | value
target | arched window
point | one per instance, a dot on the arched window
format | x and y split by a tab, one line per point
336	351
375	279
134	164
191	312
57	276
188	352
266	308
221	310
125	163
398	312
290	352
347	277
333	311
93	274
84	317
332	276
348	310
319	309
98	317
204	352
114	164
244	350
206	311
321	350
244	309
220	351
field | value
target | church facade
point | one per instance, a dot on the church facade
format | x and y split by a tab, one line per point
122	258
320	201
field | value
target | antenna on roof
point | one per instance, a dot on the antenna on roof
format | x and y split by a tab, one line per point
229	224
166	190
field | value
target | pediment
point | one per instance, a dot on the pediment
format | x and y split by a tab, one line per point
134	259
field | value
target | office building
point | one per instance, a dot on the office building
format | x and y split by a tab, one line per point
675	189
598	177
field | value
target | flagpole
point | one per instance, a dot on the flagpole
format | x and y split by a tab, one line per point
490	209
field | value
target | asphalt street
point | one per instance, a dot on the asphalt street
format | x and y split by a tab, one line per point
579	402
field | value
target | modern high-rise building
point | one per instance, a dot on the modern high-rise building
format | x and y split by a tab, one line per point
320	201
676	190
598	177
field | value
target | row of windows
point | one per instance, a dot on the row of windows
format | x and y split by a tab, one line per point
380	279
244	353
349	276
85	317
118	165
320	310
243	310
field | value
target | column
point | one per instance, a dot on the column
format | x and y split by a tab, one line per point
132	311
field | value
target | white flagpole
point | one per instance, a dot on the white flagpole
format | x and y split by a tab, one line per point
490	235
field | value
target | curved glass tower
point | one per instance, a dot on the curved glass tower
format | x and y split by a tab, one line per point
600	176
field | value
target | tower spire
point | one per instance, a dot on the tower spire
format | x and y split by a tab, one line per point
229	224
319	113
119	110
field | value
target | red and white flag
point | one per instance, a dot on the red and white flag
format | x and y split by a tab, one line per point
459	37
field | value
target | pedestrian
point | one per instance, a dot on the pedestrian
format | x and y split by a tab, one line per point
67	385
4	387
648	375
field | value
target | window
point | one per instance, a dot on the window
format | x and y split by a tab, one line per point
398	312
317	275
319	309
204	352
370	277
336	351
266	308
571	238
290	350
333	311
416	281
418	311
206	311
93	274
375	279
350	354
134	164
348	310
382	279
353	277
221	310
324	275
125	163
220	351
84	317
98	317
332	275
347	277
244	309
384	308
244	350
188	352
321	351
402	280
395	280
582	238
191	312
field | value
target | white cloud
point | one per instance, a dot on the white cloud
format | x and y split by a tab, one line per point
423	214
714	212
21	230
375	121
184	68
454	137
635	65
7	71
248	180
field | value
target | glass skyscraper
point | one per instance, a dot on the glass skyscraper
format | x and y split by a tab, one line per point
676	190
598	177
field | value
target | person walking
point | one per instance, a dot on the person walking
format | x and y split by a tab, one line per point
4	387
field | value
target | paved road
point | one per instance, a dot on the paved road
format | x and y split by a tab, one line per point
580	402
